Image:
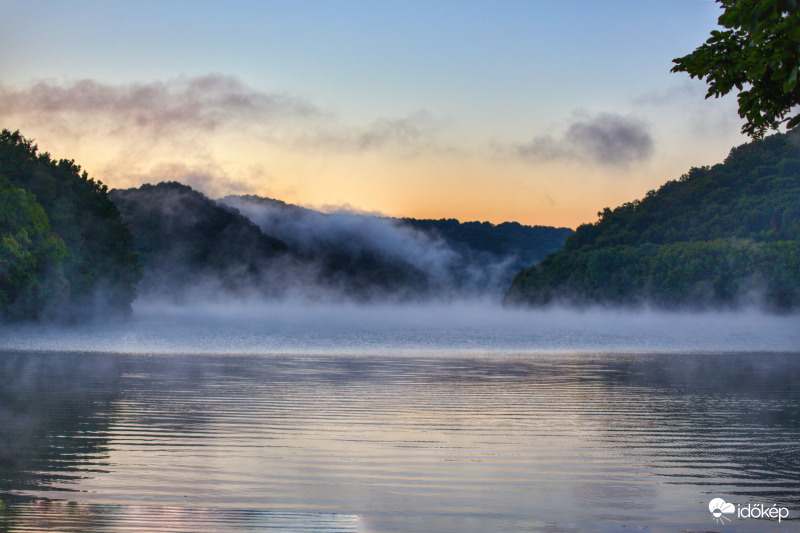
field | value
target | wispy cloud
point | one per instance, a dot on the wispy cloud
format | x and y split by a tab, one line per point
414	132
680	94
207	178
606	139
406	130
714	118
202	106
198	103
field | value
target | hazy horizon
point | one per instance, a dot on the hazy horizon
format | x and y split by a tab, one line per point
537	112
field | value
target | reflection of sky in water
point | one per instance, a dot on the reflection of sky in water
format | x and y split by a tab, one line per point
487	442
45	515
462	327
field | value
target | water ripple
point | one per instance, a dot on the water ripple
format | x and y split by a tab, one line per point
394	443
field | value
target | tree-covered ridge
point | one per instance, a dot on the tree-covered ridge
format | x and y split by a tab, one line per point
718	236
186	239
377	256
99	270
526	243
192	246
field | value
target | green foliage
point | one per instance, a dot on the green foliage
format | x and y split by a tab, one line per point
719	273
100	265
718	236
758	53
31	280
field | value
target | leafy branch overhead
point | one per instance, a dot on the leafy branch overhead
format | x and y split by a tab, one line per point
758	53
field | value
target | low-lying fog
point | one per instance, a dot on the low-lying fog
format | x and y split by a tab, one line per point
460	327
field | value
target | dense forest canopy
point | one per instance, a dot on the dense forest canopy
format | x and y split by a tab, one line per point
66	252
719	236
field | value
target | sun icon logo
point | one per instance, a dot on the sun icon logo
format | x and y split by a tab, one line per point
719	508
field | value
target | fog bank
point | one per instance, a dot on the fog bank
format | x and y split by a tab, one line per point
461	327
344	255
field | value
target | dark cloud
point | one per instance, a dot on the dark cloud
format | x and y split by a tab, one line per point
606	139
197	103
611	139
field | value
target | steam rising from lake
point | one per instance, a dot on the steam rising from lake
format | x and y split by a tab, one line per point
461	327
462	416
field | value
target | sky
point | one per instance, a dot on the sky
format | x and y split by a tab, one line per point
539	111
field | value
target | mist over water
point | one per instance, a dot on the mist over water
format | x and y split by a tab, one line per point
455	327
442	416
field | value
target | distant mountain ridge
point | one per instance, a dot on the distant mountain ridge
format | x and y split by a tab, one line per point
471	258
526	242
248	245
718	237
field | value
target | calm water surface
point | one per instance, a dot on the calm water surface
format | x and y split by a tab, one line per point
393	422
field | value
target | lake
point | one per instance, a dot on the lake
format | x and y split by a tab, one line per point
457	417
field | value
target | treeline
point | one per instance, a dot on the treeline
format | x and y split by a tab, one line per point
525	244
65	252
719	236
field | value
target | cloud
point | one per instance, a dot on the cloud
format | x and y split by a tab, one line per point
407	130
378	251
607	139
681	94
704	118
196	108
202	103
412	133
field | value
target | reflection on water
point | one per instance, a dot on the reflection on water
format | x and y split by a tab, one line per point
57	516
54	403
492	442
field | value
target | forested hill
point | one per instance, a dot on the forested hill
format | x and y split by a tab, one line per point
187	242
521	244
191	245
65	253
722	236
420	258
526	244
